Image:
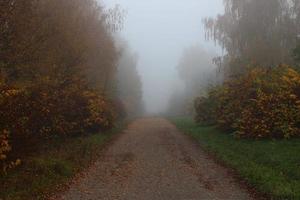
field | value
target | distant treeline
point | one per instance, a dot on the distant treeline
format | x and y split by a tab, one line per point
60	73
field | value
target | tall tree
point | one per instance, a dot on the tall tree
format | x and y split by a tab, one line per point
58	39
260	32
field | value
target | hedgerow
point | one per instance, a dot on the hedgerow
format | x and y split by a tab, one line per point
263	103
29	115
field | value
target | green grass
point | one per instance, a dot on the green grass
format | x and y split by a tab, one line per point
44	172
271	166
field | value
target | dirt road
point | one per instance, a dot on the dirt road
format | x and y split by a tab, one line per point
152	160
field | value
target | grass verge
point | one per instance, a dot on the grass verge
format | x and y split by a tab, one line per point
270	166
53	166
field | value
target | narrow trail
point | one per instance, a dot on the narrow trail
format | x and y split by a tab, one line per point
152	160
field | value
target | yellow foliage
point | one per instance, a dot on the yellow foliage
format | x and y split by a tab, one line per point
262	103
5	148
45	110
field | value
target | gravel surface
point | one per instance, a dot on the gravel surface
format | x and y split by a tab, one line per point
152	160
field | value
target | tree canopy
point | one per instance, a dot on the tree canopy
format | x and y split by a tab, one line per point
257	32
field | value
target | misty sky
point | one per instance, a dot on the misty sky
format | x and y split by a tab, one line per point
158	31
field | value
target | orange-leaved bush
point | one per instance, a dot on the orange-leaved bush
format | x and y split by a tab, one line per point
273	109
5	146
102	113
48	109
263	103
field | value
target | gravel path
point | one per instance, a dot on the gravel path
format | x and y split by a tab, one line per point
152	160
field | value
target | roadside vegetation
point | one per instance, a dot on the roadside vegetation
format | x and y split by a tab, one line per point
46	89
260	94
249	116
270	166
263	103
256	92
60	90
49	170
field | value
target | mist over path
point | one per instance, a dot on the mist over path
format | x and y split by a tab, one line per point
153	160
159	32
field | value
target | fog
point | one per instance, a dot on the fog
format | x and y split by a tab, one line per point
159	31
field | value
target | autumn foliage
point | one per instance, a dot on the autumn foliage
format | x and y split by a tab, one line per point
46	110
263	103
257	99
56	73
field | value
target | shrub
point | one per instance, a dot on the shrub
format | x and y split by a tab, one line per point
205	108
48	109
264	103
4	149
101	112
273	111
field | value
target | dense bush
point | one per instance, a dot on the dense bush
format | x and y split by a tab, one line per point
263	103
48	109
5	146
101	112
205	107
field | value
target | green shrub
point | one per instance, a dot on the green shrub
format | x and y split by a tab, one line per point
205	108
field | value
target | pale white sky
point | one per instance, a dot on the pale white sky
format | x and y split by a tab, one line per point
158	31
